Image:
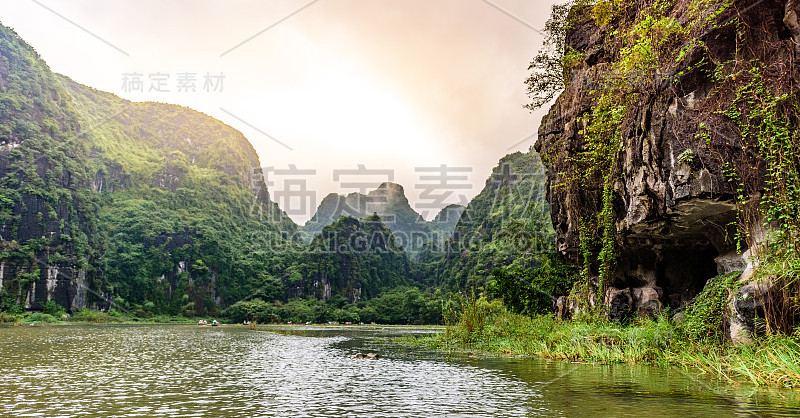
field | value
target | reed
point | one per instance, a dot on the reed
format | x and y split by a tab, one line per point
770	361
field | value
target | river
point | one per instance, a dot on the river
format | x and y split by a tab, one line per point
181	370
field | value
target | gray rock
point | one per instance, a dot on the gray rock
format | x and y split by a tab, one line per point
647	301
562	310
730	262
619	303
749	304
792	21
747	310
371	356
739	332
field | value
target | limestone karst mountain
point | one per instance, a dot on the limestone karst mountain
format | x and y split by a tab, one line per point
390	203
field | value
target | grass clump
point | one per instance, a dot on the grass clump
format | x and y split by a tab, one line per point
773	360
88	315
114	316
41	318
6	317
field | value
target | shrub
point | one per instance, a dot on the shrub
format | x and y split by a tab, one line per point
53	309
85	315
8	317
41	317
705	317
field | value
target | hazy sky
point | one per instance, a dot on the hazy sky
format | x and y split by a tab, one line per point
328	85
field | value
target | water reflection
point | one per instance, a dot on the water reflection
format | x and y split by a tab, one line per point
231	371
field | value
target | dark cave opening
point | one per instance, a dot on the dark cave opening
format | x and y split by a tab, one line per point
679	270
676	257
683	272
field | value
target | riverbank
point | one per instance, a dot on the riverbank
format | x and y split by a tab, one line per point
289	327
769	361
87	316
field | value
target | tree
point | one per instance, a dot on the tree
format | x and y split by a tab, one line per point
532	291
551	66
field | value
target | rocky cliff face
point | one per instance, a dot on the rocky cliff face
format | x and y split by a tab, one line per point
675	208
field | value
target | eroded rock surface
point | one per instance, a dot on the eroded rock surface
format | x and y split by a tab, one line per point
675	217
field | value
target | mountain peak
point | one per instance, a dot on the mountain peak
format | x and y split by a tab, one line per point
394	187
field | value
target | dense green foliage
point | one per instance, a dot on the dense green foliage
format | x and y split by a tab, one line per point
85	315
705	319
507	225
46	212
401	305
187	196
351	257
532	291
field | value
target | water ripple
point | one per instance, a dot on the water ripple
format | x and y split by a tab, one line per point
188	371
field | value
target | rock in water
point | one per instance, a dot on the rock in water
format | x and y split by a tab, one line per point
371	356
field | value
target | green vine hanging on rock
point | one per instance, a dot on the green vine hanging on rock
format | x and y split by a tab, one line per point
651	47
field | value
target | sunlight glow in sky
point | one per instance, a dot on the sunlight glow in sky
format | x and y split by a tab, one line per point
390	84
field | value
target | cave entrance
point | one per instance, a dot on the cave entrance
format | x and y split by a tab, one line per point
679	254
678	270
682	273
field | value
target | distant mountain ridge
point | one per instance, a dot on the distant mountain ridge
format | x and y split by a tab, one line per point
390	203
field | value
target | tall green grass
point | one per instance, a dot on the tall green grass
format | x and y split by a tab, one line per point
770	361
487	326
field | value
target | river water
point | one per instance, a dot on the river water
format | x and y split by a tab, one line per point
180	370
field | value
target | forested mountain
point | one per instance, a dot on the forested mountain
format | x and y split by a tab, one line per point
506	225
351	257
155	206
